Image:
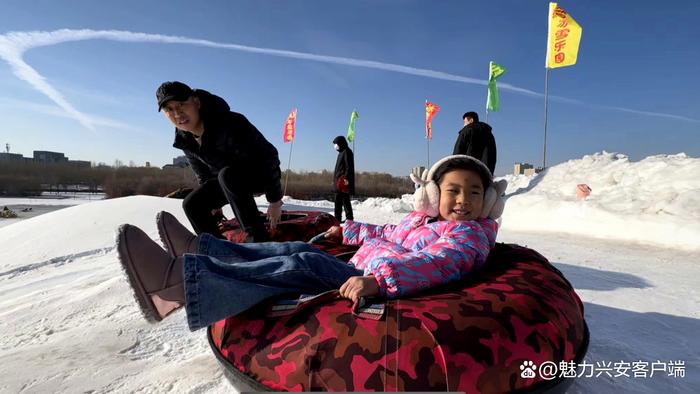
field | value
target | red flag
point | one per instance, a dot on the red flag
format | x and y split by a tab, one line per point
430	111
290	126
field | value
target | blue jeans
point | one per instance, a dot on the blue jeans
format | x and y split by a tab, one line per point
224	278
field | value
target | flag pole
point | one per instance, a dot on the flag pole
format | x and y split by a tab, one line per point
546	83
427	133
428	166
354	152
488	93
289	163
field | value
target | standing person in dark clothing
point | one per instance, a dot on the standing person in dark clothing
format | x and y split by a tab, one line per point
231	159
476	140
343	178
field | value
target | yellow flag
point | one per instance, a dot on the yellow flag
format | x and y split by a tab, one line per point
563	38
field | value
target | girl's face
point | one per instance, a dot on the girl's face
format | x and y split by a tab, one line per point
461	195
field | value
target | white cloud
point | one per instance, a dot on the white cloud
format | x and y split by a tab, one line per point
13	45
57	111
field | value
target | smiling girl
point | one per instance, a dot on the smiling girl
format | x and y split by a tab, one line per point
448	236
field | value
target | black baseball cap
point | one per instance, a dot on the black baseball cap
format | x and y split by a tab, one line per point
172	90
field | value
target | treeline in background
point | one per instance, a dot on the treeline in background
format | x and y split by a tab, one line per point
27	179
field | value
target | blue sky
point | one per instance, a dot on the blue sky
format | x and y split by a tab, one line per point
633	90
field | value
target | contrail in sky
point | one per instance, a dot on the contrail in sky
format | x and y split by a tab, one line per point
13	45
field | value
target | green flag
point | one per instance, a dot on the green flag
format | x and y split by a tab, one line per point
351	128
493	103
495	71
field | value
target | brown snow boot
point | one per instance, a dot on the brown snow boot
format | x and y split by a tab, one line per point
177	239
156	278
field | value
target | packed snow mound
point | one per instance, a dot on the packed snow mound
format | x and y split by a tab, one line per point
517	182
292	204
654	200
396	205
91	227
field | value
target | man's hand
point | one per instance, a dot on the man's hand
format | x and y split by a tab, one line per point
359	286
274	212
335	232
346	182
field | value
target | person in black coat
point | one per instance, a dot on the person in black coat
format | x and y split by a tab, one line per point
476	140
343	178
231	159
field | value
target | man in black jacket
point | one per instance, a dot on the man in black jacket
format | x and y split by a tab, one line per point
476	140
343	178
231	159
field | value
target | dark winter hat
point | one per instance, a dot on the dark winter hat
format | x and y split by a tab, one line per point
172	90
341	141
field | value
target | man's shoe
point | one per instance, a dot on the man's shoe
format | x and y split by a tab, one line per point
177	239
156	278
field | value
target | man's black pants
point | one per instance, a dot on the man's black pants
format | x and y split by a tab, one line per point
229	187
342	200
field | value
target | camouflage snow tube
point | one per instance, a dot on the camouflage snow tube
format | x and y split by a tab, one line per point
471	336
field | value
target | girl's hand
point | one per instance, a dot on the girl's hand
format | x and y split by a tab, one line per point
335	232
359	286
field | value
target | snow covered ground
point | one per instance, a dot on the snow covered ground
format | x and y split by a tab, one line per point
632	251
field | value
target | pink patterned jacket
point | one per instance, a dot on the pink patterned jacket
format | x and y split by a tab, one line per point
417	254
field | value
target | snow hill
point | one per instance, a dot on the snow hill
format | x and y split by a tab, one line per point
654	201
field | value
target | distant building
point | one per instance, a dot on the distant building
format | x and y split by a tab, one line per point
181	161
44	157
178	162
525	169
6	156
80	163
41	156
520	168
